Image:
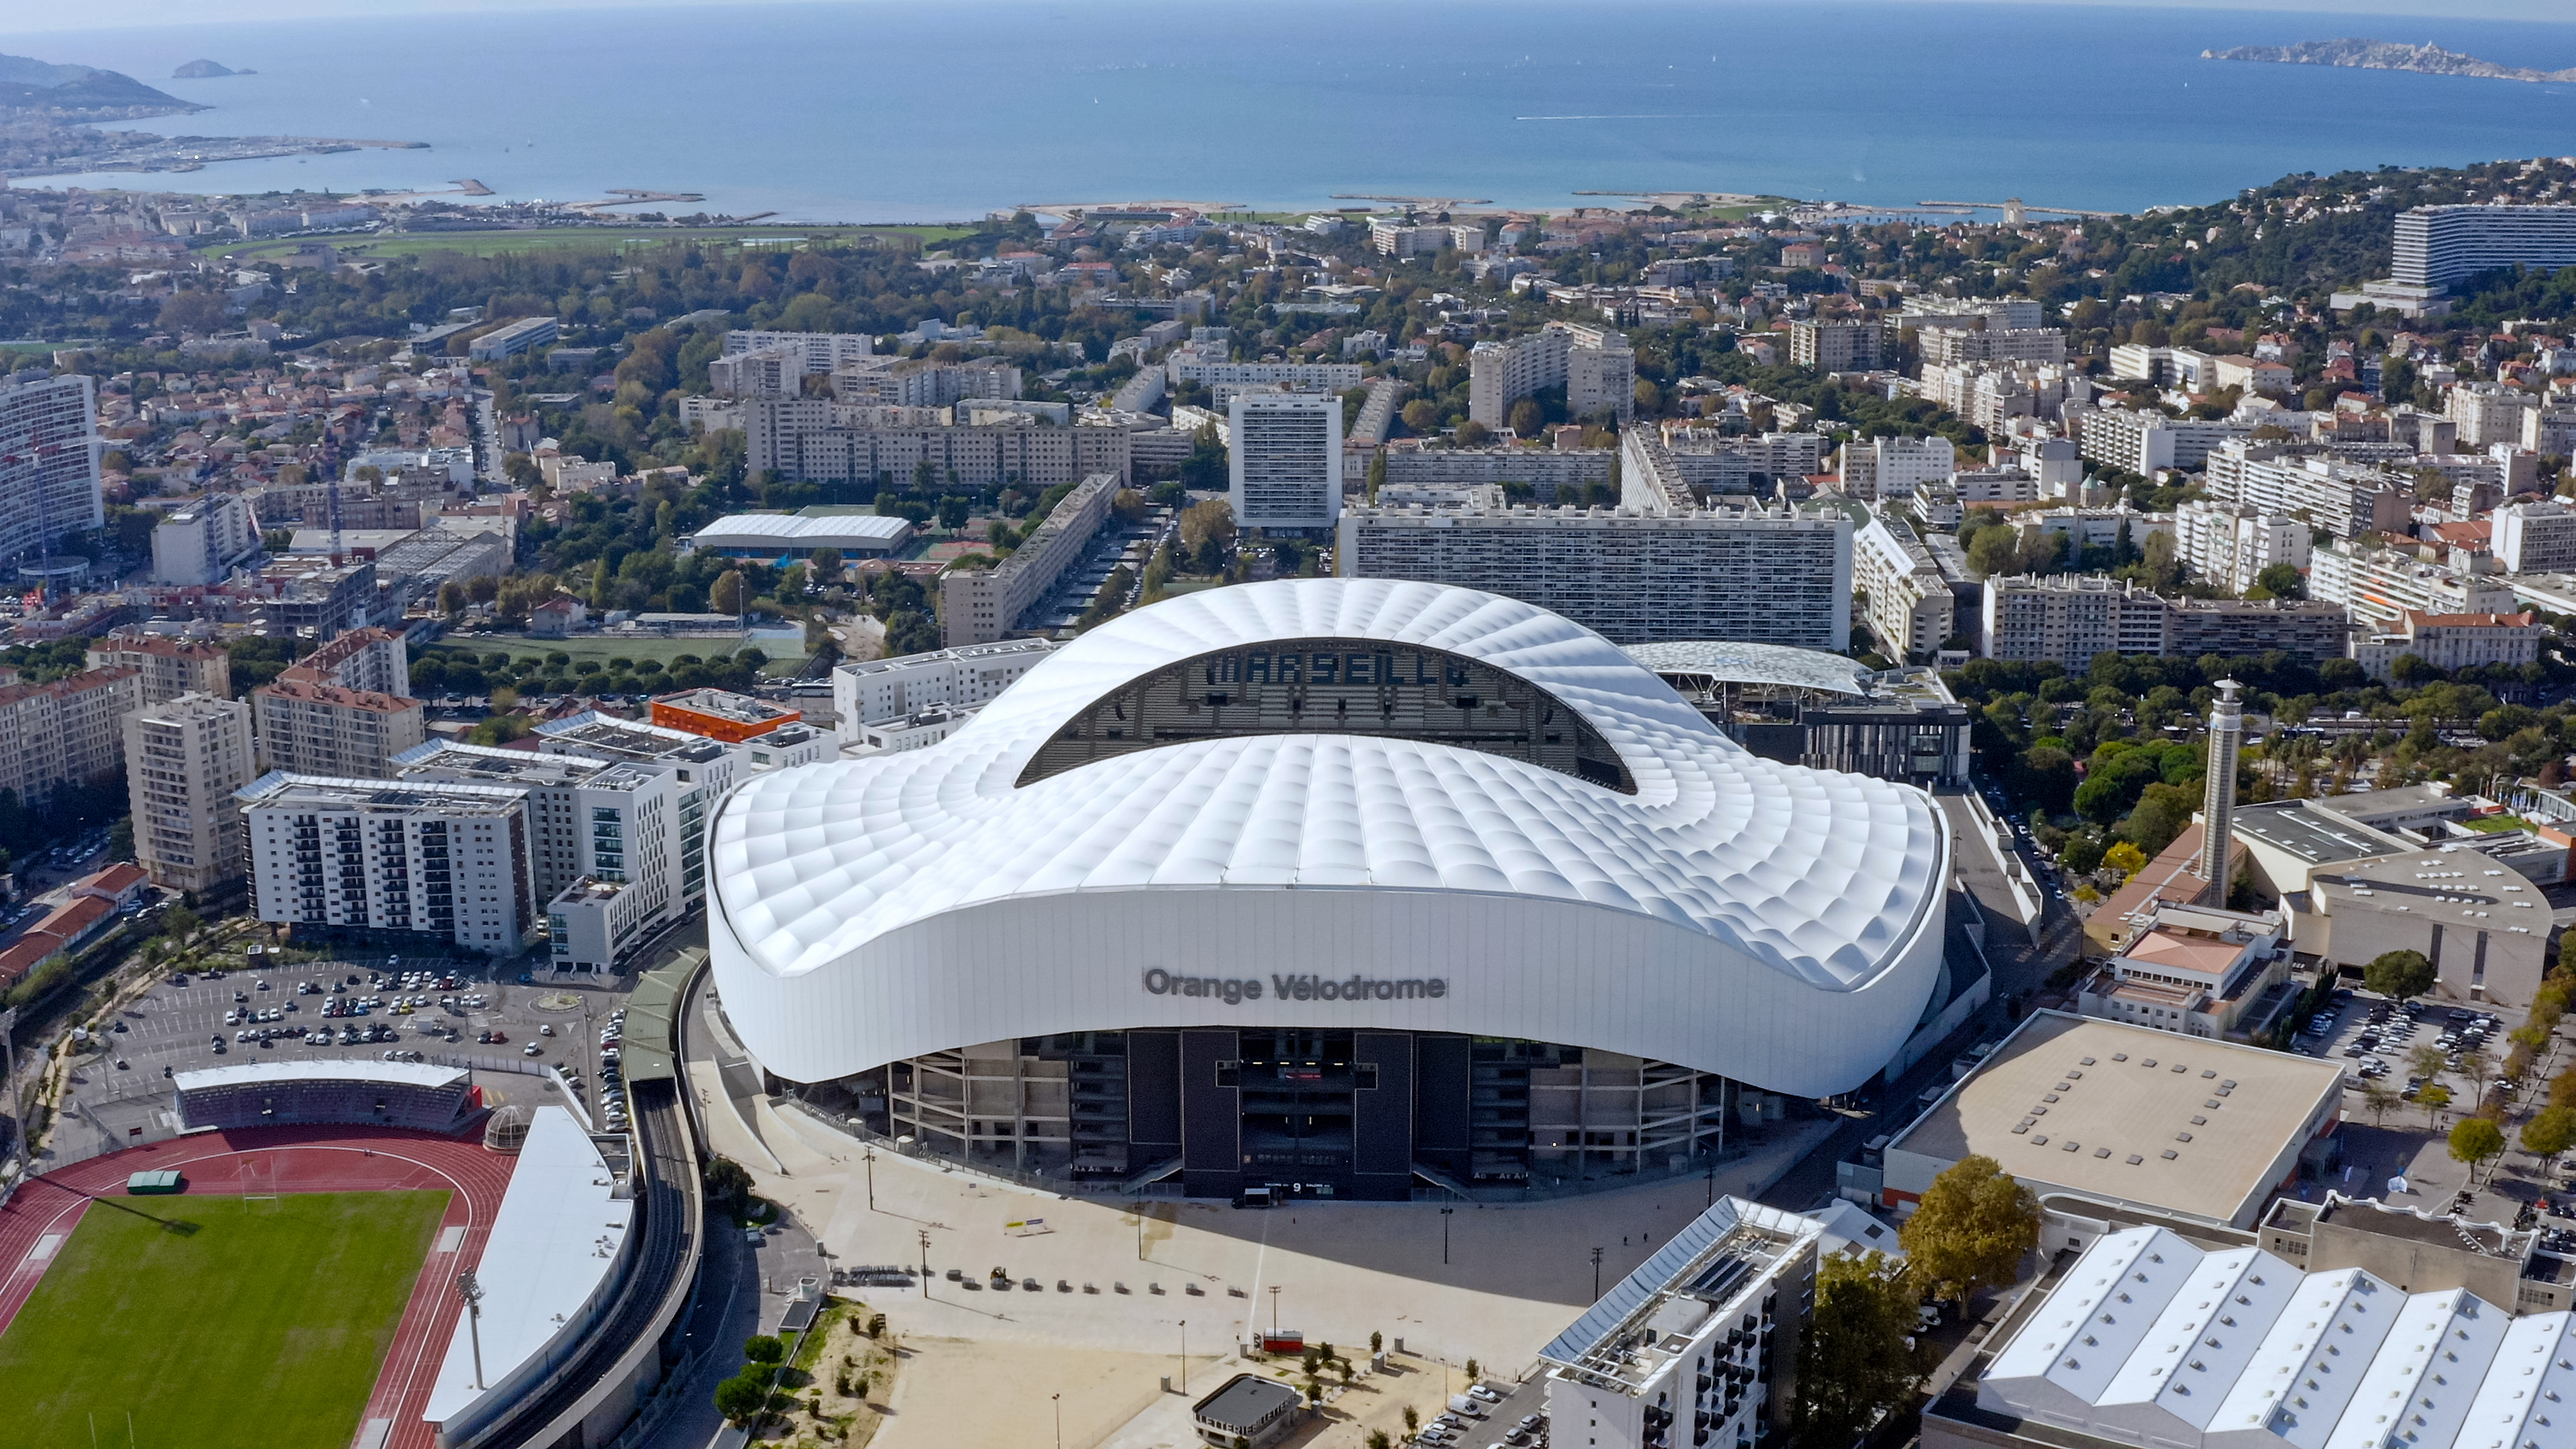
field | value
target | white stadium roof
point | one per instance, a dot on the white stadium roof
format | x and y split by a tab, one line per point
1742	663
1777	924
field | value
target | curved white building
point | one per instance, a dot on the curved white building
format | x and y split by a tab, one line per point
1333	879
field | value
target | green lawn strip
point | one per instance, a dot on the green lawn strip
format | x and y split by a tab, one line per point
264	1327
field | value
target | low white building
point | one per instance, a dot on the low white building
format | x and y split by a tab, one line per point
204	540
789	535
2231	544
2453	641
2193	970
2535	538
965	678
1895	467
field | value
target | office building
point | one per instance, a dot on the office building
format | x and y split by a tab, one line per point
325	730
2438	245
704	769
185	758
979	606
1284	466
49	463
1905	601
1760	575
875	690
2230	544
818	440
1594	365
510	341
1000	894
1699	1345
1895	467
70	732
204	540
1834	346
166	667
447	861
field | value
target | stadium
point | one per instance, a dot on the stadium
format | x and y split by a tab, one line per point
1327	887
279	1263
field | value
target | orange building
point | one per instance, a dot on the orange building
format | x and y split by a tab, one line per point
720	714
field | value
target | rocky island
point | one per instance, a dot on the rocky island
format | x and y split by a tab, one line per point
2359	54
206	70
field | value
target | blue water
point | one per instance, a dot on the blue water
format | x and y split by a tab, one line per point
882	112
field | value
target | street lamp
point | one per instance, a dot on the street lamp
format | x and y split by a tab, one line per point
1444	1236
1596	1274
925	1261
472	1293
1274	1309
868	1155
1059	1420
1185	1356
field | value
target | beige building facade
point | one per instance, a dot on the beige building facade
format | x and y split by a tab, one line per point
184	759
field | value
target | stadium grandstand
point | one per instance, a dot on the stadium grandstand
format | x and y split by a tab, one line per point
280	1094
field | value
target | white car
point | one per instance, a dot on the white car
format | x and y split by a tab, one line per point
1479	1391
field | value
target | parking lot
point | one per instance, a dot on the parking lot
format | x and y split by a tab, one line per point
377	1008
2376	1040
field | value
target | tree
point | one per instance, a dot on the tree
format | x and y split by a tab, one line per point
1412	1421
1420	416
2125	858
1472	1375
1377	1343
740	1397
1128	504
2378	1101
1527	418
1995	551
2282	581
1972	1229
2433	1098
763	1348
2475	1141
1856	1361
826	565
2426	1062
191	312
1473	434
2550	1133
179	923
726	596
2399	975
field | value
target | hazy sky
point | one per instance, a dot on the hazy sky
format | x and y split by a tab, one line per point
101	14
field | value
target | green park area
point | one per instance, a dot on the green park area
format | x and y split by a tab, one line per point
216	1322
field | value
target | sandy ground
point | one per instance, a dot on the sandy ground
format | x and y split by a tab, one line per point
955	1391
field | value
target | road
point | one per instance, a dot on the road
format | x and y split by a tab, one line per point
2020	970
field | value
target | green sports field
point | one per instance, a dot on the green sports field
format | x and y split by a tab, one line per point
257	1324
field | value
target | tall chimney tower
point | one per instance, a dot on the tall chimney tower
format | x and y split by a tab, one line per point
2218	805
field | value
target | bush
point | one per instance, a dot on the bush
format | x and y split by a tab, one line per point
740	1397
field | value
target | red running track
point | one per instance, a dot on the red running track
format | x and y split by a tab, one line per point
297	1159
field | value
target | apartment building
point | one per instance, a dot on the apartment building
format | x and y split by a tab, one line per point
875	690
1762	575
2142	442
185	759
373	659
979	606
1284	465
703	770
769	372
1905	600
818	440
167	667
1895	467
446	861
510	341
2328	492
592	822
1595	366
2006	486
70	732
2094	527
1950	346
2453	641
2535	538
311	728
1835	346
2550	431
815	352
1737	463
203	540
49	462
1209	367
2004	314
2376	586
2069	618
2438	245
2230	544
2487	412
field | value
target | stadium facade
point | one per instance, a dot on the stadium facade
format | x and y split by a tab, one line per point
1328	885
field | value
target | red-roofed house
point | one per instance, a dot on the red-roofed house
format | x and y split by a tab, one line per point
118	884
2453	641
2196	970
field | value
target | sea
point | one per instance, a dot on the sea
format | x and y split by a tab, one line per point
886	112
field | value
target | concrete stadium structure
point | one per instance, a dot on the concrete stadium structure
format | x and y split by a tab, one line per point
1327	884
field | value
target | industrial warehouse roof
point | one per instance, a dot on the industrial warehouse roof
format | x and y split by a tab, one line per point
1776	879
790	531
423	1074
2149	1338
1738	663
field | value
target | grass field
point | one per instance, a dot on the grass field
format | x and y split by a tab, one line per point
263	1328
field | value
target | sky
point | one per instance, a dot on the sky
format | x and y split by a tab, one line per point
2349	16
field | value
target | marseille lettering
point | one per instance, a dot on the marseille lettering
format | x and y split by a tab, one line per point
1234	990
